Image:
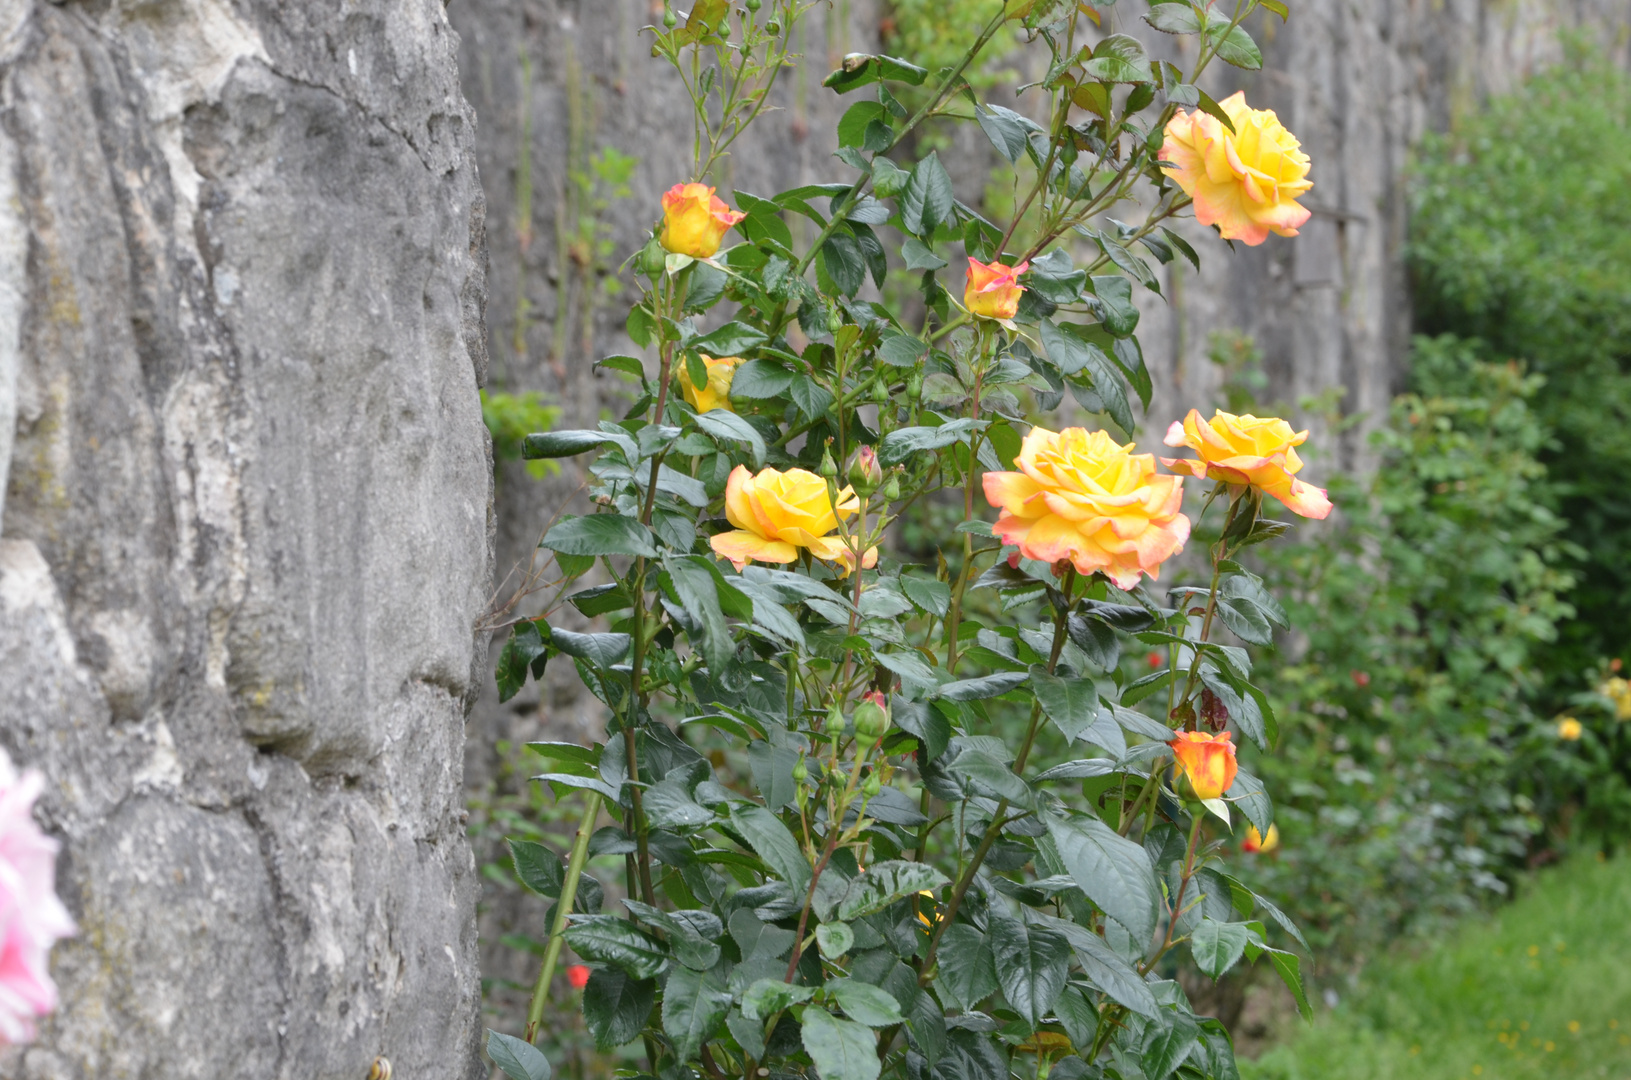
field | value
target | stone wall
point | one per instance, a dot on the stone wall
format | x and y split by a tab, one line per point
246	527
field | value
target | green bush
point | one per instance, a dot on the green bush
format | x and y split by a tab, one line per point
1407	710
1522	239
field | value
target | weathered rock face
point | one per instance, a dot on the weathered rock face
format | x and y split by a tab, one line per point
246	527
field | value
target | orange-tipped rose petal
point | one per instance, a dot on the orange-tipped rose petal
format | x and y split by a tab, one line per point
1248	450
1246	182
1207	760
1082	497
695	220
993	291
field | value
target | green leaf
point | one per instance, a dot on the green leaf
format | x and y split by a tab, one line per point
1096	639
812	400
1113	298
537	867
772	842
899	445
1007	130
766	997
968	972
1032	964
1119	58
732	339
1078	1016
932	596
616	1006
988	776
865	1003
841	257
601	534
852	127
601	650
835	939
524	651
1074	355
670	806
1217	946
1249	610
1247	792
929	199
760	379
559	444
1174	18
1238	48
1114	872
1107	969
986	686
520	1060
1290	969
884	883
1171	1046
860	69
698	593
919	256
616	941
724	424
1072	704
694	1005
840	1049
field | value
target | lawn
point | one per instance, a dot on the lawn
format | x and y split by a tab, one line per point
1540	991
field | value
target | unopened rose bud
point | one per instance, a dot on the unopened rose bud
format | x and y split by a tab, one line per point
753	5
774	26
828	467
801	772
670	19
865	474
872	786
835	321
872	717
891	490
835	721
914	388
653	259
880	391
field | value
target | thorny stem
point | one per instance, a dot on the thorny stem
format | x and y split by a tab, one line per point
569	896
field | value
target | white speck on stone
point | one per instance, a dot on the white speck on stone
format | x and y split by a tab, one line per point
226	285
351	60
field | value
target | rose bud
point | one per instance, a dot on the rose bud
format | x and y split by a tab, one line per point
695	220
872	717
1207	760
865	474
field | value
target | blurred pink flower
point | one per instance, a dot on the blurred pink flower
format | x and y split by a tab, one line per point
32	919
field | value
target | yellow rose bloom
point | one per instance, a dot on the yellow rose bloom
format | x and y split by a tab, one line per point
1257	843
1246	182
1081	496
1618	691
695	220
1248	450
777	513
1208	761
1569	729
716	394
993	291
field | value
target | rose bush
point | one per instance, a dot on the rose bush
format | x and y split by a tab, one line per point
833	864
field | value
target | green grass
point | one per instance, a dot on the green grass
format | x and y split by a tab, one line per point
1541	991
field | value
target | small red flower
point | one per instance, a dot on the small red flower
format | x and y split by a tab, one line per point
1614	664
1153	659
578	976
1361	678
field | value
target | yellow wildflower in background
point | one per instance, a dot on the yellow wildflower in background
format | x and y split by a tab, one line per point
1569	728
1246	182
1618	691
716	394
1083	497
1260	451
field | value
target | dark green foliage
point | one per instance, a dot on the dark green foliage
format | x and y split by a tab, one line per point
1522	239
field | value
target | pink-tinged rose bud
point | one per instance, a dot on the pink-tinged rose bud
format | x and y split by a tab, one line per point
1207	760
32	919
578	976
993	291
872	716
864	471
695	220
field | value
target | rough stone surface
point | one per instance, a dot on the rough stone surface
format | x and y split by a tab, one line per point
246	527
